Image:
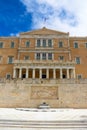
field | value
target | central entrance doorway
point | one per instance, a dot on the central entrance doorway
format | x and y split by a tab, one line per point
43	76
23	76
43	73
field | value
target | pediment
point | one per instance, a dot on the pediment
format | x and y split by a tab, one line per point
44	31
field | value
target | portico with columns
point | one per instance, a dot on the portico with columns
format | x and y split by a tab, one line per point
51	70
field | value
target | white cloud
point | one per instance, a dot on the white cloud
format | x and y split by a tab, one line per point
13	34
66	15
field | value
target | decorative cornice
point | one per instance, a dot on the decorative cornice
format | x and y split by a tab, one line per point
44	50
44	36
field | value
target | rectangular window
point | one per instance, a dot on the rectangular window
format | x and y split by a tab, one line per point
79	76
38	56
61	57
12	44
43	56
1	44
26	58
49	56
8	76
38	43
75	45
77	60
10	59
44	43
27	44
85	45
49	43
60	44
0	59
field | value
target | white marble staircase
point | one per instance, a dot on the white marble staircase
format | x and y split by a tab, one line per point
43	119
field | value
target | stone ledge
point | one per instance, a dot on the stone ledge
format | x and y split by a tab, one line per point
44	81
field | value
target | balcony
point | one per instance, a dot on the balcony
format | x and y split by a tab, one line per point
50	63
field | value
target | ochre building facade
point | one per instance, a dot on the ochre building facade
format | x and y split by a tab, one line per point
43	60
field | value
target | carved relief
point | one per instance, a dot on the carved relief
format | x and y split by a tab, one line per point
43	92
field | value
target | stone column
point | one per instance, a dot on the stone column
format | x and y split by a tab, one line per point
26	72
54	74
14	73
40	73
47	73
33	73
61	73
74	75
20	73
71	73
68	74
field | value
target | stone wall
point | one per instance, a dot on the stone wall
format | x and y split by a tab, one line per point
32	93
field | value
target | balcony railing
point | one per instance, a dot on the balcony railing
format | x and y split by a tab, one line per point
45	62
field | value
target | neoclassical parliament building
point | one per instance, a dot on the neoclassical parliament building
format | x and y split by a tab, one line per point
43	65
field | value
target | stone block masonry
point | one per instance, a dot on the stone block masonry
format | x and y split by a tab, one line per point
31	93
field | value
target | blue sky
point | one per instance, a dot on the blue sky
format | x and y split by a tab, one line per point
24	15
13	17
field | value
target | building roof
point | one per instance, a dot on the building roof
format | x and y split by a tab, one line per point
44	31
